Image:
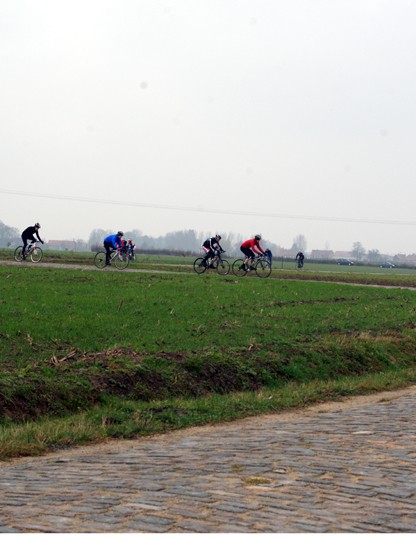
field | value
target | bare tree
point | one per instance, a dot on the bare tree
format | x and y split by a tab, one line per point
357	251
299	243
374	256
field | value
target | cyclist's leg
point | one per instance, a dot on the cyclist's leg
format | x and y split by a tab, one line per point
247	255
206	256
251	256
108	250
213	259
24	249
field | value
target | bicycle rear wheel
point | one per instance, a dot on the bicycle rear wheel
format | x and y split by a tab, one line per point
239	269
36	254
99	260
223	267
18	253
200	265
121	260
263	269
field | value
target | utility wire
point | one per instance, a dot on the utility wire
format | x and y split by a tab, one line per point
207	210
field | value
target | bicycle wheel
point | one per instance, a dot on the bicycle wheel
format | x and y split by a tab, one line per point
239	268
36	254
121	260
18	253
223	267
263	268
99	260
199	266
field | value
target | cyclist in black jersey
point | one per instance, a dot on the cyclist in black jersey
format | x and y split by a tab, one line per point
212	248
29	234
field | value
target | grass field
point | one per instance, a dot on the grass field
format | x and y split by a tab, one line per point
87	355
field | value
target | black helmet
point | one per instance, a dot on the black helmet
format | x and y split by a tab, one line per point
258	237
218	237
120	234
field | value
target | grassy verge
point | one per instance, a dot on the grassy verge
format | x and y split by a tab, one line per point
125	419
86	356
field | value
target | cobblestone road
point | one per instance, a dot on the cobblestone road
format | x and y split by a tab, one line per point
340	467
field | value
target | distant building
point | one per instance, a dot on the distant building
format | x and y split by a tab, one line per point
342	254
285	252
67	245
322	254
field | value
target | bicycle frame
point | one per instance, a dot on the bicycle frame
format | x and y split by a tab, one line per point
120	259
32	250
221	265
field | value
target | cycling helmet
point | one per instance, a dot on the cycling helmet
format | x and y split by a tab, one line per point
120	234
257	237
37	224
218	237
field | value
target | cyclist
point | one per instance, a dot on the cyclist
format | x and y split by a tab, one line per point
130	247
28	234
250	249
112	242
269	255
124	246
299	258
212	249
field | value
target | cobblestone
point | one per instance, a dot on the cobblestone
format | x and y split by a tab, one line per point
340	467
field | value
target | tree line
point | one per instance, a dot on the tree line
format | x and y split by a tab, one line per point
187	240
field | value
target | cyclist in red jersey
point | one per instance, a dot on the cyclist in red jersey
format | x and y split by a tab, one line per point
250	249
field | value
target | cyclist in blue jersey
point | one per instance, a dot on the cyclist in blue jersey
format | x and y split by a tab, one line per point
112	242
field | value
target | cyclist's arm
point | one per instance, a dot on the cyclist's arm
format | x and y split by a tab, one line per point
256	247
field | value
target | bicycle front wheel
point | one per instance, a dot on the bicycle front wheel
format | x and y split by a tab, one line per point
121	260
239	269
36	254
263	269
99	260
18	253
200	265
223	267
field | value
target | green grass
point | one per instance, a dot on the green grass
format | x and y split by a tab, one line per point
87	355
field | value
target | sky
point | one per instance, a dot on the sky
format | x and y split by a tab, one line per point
278	117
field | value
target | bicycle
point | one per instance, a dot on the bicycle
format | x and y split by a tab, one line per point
261	265
131	255
221	265
299	264
118	257
32	250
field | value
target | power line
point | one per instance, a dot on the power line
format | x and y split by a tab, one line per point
208	210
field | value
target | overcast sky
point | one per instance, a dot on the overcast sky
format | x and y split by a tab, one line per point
278	117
